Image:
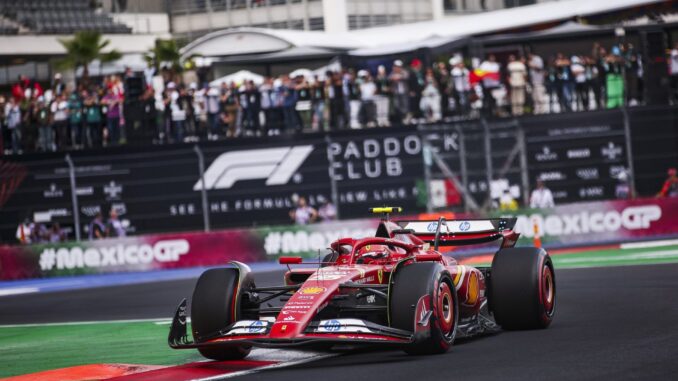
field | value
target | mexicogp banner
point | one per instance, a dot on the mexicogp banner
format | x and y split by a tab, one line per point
176	250
599	222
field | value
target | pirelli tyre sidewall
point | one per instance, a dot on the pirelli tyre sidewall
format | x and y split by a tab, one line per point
412	282
522	288
215	304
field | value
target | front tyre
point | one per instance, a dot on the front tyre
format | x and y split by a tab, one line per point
522	288
434	326
215	306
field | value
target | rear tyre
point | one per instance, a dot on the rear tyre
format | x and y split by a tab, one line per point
523	288
213	307
410	284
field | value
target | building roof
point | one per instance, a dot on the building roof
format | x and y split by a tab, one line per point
403	37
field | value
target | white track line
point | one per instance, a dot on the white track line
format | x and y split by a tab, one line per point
286	364
87	322
648	244
18	291
613	258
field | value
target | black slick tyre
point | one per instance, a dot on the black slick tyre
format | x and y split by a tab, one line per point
213	307
522	288
435	331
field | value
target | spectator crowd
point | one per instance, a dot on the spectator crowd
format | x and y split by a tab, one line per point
93	115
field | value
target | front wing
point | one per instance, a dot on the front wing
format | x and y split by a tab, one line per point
256	333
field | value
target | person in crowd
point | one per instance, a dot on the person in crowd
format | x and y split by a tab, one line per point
42	117
581	86
633	74
399	85
58	85
367	114
267	107
13	121
415	85
490	82
670	187
461	85
24	232
97	228
327	211
382	98
230	106
430	99
75	118
59	111
537	80
442	77
178	113
55	234
673	72
114	227
253	108
541	196
290	97
507	202
517	80
212	108
303	214
93	120
614	81
187	99
317	91
112	101
564	82
336	101
26	88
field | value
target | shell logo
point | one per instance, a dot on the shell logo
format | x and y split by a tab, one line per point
473	288
312	290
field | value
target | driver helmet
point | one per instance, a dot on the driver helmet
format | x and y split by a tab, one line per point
367	249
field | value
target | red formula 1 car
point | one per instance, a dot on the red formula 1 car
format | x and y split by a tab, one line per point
395	288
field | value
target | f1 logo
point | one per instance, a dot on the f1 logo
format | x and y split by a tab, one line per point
276	165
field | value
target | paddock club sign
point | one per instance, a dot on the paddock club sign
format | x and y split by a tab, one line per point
262	183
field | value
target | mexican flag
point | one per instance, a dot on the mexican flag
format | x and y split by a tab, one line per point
444	194
478	75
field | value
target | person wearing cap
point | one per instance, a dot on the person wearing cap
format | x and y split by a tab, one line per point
382	98
213	109
58	86
670	187
93	120
41	117
461	85
335	98
368	112
564	82
399	85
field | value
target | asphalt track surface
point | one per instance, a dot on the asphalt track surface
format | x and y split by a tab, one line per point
612	323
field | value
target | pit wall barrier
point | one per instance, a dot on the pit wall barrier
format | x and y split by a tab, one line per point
567	225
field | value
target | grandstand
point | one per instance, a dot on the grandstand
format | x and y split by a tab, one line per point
55	17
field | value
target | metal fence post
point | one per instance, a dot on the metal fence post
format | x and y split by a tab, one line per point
333	181
524	176
488	160
629	150
74	197
203	188
463	165
428	161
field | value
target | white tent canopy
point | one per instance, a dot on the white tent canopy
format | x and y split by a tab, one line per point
238	77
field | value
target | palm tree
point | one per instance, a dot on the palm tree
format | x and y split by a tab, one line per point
166	53
84	48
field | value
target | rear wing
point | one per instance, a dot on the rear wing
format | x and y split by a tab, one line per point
462	232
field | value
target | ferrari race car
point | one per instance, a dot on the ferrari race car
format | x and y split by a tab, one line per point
395	288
